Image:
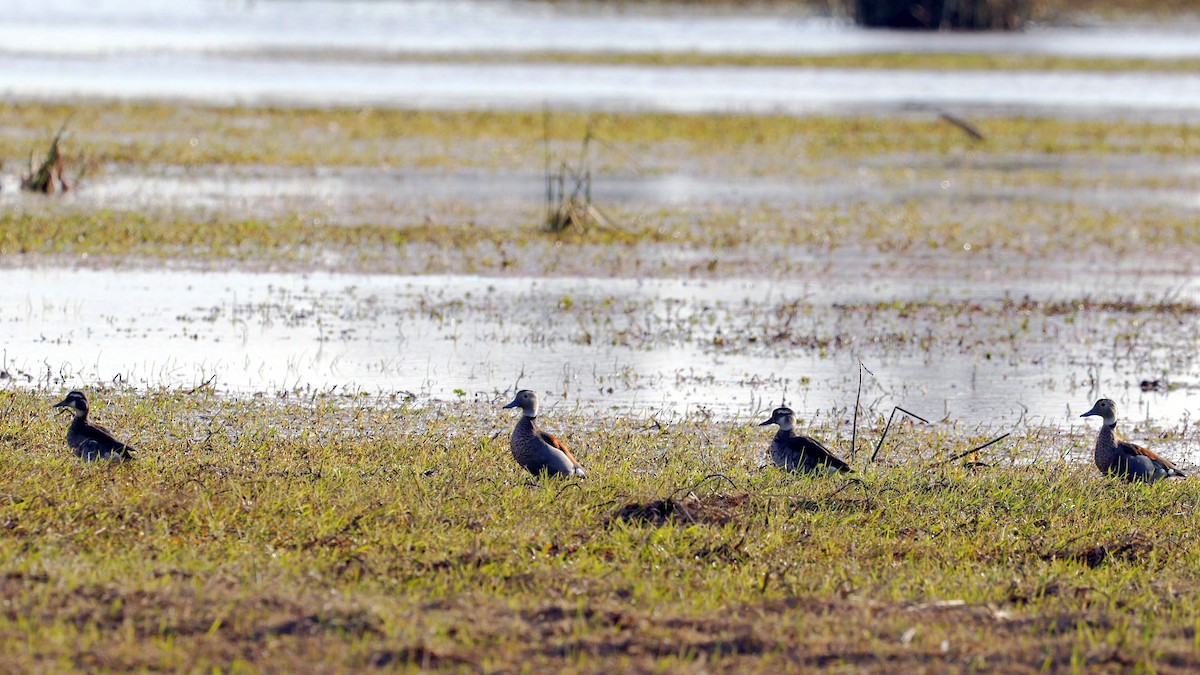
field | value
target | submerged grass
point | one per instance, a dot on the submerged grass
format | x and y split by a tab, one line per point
348	533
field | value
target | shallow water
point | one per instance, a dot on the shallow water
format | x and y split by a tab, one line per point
718	89
335	53
102	27
731	347
350	195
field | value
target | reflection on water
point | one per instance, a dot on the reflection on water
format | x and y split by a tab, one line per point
967	351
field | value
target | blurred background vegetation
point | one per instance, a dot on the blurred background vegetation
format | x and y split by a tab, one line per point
957	14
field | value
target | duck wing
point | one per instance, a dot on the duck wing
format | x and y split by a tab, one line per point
1133	451
554	442
97	442
814	453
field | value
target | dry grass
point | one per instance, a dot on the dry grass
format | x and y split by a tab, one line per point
354	532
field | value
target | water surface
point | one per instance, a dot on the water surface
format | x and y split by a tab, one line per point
106	27
967	351
337	53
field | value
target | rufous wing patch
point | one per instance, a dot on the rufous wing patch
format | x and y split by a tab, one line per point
553	442
1136	449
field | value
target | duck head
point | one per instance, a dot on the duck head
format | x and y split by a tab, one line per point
784	417
527	401
1104	408
76	401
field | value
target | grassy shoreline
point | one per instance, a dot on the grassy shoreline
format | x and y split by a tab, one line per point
258	535
182	135
718	243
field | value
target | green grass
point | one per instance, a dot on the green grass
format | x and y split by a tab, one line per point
1028	190
341	533
722	240
163	134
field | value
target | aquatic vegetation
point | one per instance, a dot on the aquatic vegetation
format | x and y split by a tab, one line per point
47	176
569	204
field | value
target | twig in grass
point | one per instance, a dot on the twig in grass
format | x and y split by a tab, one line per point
966	127
888	426
564	489
195	480
977	449
601	505
702	481
848	483
203	385
854	425
658	426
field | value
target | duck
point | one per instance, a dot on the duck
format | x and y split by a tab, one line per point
537	451
793	452
91	442
1115	457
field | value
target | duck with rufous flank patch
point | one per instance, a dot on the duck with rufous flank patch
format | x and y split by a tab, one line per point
1115	457
536	450
91	442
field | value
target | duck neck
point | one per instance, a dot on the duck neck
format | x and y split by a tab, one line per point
1106	445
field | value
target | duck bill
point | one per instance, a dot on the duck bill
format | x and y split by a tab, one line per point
62	404
767	423
1090	412
512	405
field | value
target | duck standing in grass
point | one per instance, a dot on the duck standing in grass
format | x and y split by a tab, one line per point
91	442
794	452
1115	457
536	450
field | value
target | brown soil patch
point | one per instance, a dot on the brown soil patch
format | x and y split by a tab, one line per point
711	509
